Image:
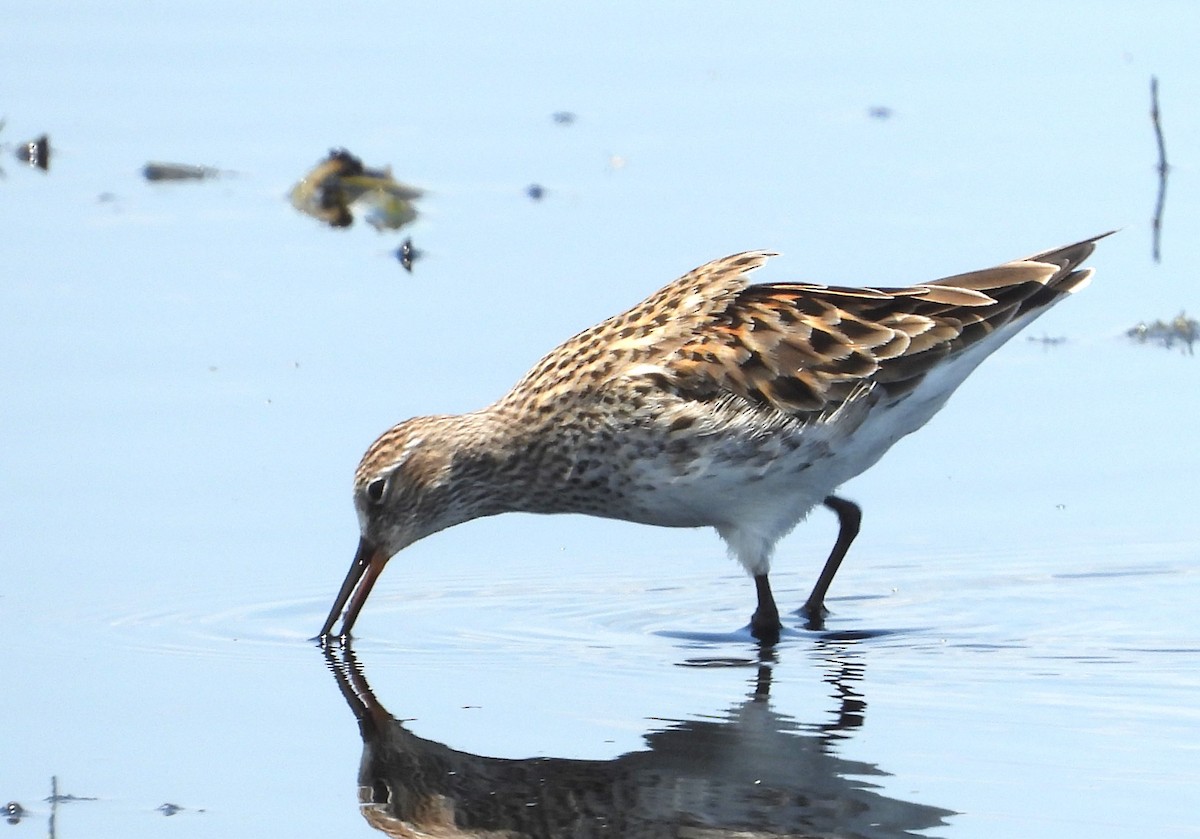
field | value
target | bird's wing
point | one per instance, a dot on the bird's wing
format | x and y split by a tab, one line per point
805	349
647	334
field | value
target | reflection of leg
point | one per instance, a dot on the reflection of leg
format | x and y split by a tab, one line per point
764	625
849	518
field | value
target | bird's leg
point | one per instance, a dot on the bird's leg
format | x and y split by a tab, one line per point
764	624
849	518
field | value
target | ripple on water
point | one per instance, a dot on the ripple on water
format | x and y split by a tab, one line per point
995	606
533	614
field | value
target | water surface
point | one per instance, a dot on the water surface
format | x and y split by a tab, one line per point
191	371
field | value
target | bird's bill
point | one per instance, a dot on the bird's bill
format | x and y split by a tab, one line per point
360	579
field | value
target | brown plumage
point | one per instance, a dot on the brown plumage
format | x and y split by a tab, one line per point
711	403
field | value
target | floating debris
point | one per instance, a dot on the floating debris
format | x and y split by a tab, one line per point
320	193
563	117
535	191
1179	330
340	181
1047	341
880	112
13	812
407	254
36	152
178	172
388	208
55	798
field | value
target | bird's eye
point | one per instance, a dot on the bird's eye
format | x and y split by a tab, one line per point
376	489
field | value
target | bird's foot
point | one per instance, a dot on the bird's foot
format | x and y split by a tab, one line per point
814	616
765	627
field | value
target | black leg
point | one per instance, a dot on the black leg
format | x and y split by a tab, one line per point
764	625
849	518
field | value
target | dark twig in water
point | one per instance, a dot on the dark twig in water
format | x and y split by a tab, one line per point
53	805
1163	168
55	798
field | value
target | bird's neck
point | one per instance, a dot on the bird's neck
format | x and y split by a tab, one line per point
497	465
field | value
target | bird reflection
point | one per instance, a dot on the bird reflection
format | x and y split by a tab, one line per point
750	773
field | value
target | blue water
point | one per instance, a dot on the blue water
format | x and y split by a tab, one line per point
191	371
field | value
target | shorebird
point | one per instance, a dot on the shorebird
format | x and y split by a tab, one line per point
712	403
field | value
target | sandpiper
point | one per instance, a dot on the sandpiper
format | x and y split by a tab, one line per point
712	403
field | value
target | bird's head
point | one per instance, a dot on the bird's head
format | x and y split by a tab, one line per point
402	493
419	477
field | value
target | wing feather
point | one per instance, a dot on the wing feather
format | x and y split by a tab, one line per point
802	350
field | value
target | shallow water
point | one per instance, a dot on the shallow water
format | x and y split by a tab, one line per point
191	371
